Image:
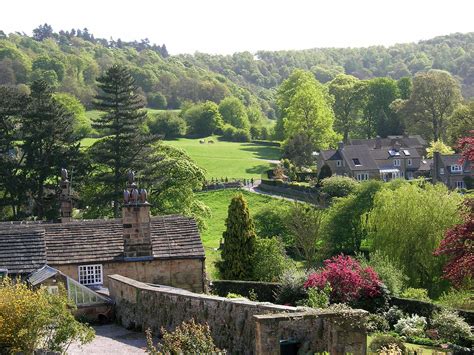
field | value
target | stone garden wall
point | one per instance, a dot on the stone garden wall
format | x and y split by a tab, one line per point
237	325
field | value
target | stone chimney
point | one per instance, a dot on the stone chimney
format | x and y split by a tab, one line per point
435	167
378	142
136	221
65	198
340	146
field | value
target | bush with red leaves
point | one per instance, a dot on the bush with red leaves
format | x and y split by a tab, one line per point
349	281
466	146
458	245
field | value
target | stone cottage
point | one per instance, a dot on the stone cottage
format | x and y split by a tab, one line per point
163	250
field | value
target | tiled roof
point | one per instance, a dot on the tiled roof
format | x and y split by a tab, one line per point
415	141
362	153
89	241
22	250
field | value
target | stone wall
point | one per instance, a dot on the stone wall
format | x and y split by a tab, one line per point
237	325
184	273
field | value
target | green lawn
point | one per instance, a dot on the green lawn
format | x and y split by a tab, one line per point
218	201
229	159
420	349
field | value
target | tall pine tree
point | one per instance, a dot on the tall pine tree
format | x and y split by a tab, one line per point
125	145
48	143
239	242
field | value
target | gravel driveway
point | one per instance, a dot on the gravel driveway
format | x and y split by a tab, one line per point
112	339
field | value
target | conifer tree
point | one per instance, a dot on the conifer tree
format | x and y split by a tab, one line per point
48	144
126	145
239	242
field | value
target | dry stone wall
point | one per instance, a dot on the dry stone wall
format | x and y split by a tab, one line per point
238	325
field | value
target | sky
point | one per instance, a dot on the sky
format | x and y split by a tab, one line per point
228	26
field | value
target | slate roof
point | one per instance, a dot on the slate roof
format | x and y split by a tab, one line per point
89	241
22	250
415	141
362	153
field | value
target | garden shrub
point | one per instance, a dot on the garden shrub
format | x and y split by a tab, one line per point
450	326
167	124
393	315
384	341
392	276
377	323
338	186
35	319
291	289
188	338
413	325
234	295
349	281
419	294
316	298
270	259
421	341
461	299
270	222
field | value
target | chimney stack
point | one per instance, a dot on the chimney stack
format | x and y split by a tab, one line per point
136	221
65	198
340	146
378	142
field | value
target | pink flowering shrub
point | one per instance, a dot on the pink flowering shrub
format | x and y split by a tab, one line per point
348	280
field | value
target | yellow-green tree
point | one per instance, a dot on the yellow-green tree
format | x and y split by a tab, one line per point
408	223
239	242
305	106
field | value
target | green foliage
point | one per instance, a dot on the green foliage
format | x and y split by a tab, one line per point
461	122
305	225
450	326
316	298
270	260
82	123
233	112
349	94
338	186
393	315
413	325
344	228
419	294
291	288
157	100
306	108
126	146
377	323
405	86
435	96
427	211
438	147
382	341
168	124
230	133
270	222
460	299
34	319
378	118
188	338
234	295
203	119
393	277
299	149
239	242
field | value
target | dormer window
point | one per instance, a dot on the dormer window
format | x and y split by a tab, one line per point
396	162
338	162
356	162
456	168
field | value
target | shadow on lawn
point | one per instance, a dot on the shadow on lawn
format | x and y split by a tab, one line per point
262	151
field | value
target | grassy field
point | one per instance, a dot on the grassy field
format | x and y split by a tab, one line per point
229	159
218	201
420	349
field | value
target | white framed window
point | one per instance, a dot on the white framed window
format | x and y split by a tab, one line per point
402	174
53	290
456	168
409	162
460	184
396	162
362	176
441	171
90	274
338	163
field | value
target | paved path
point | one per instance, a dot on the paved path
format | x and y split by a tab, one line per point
112	339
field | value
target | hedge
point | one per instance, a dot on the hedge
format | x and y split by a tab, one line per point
265	291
